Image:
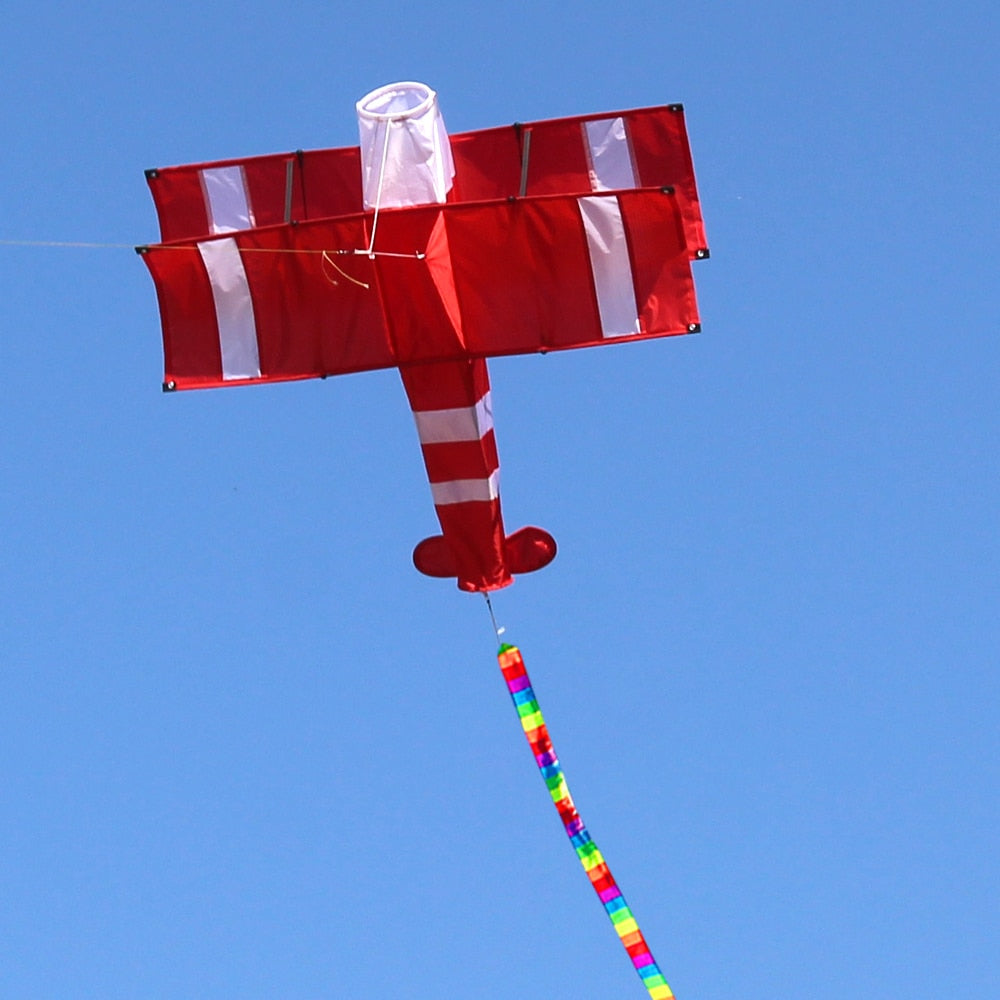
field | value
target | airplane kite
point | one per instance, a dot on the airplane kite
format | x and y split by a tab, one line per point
430	253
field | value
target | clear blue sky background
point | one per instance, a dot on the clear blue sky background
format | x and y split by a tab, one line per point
246	751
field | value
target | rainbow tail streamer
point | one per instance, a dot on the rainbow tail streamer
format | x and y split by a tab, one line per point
537	733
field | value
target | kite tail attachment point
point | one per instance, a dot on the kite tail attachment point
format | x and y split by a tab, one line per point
498	629
537	734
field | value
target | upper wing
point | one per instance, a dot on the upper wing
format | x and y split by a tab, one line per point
647	147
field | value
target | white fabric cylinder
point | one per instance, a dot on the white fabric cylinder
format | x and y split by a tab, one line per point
405	153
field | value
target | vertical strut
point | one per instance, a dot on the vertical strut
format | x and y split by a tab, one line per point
525	154
289	177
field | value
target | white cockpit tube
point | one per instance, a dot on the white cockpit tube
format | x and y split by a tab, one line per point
405	153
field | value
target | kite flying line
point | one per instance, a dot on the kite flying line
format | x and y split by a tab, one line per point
66	243
193	248
537	734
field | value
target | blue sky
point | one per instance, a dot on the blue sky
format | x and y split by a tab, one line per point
246	751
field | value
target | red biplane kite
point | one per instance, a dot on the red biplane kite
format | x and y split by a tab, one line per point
430	254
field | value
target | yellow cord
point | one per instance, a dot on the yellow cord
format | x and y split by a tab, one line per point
327	259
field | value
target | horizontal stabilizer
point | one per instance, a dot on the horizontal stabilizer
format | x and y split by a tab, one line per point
529	549
525	551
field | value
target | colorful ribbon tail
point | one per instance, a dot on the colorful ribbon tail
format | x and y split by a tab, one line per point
537	734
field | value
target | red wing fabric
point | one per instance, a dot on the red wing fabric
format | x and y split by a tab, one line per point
471	280
612	151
